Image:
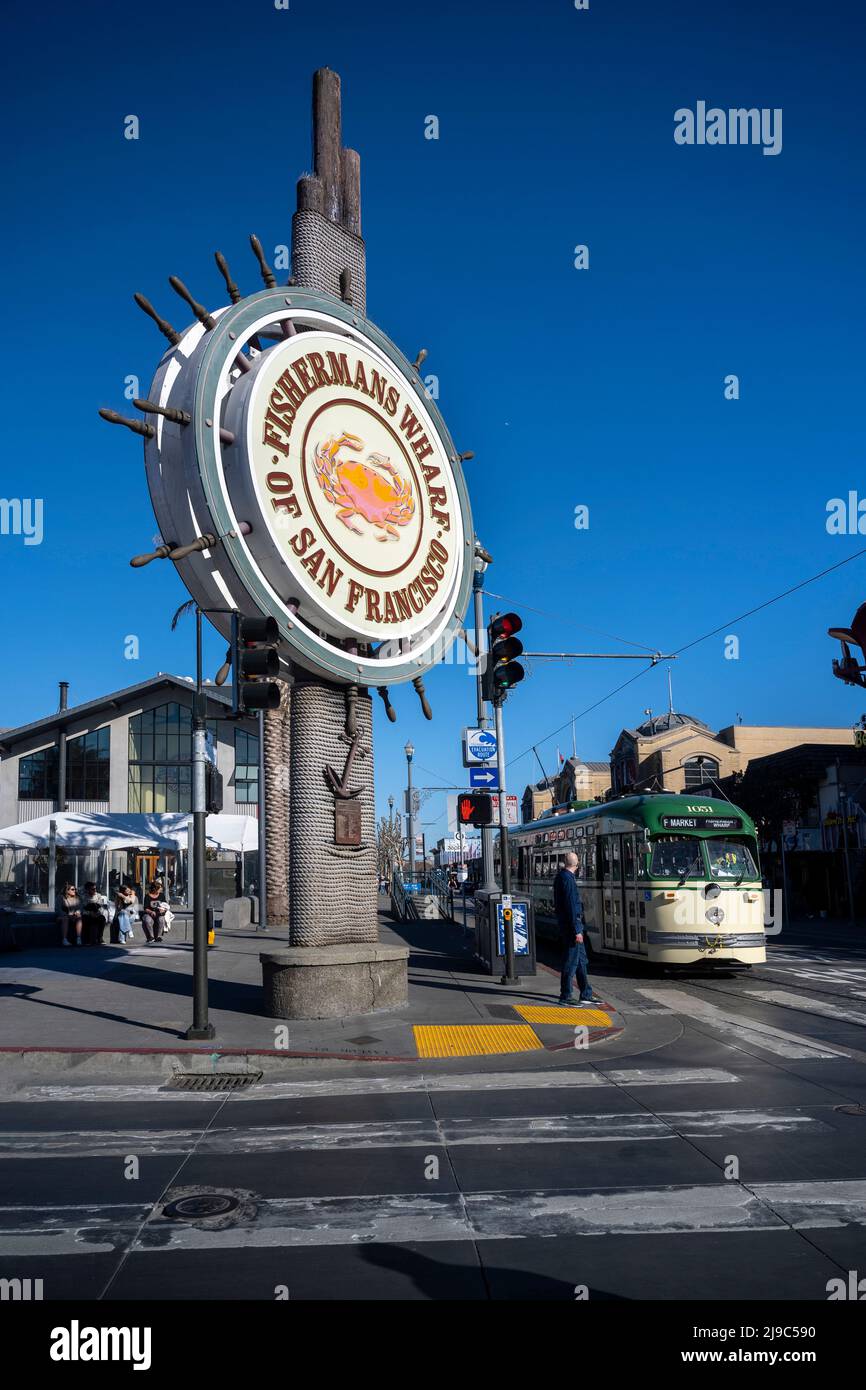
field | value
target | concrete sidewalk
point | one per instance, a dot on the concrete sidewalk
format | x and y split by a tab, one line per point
125	1010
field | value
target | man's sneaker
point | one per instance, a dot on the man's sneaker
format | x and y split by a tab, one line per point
587	999
66	943
570	1000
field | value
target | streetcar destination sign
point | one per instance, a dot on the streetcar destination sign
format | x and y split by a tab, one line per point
701	823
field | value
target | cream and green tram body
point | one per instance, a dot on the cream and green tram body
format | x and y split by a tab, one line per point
672	879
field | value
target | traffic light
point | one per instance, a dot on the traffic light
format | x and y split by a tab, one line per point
254	657
502	672
475	808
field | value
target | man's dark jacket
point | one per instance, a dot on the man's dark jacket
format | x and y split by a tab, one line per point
569	909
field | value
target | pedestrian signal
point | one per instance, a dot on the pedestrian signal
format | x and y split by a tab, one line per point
475	808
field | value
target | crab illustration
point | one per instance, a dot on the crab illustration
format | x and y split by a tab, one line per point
373	490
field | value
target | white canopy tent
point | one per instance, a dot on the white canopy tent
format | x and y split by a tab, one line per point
112	830
105	832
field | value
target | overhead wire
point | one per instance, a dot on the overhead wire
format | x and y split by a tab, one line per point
686	646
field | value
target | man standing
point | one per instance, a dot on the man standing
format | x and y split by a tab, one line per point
569	917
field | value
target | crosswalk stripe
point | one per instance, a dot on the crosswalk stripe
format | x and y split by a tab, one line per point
808	1005
536	1129
416	1217
562	1078
775	1040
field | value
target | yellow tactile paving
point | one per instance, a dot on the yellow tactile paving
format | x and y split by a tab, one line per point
473	1039
549	1013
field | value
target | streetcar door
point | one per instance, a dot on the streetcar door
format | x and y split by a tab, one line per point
630	893
611	891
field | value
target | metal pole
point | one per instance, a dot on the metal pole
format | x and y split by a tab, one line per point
488	882
411	814
786	918
61	750
841	800
263	829
52	864
201	1028
510	977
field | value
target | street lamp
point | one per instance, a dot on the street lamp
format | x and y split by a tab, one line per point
410	808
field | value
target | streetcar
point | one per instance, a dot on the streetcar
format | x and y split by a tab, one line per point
668	878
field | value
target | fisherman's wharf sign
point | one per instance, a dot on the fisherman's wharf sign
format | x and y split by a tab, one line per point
356	511
326	479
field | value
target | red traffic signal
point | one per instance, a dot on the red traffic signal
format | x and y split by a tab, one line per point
502	672
506	625
475	808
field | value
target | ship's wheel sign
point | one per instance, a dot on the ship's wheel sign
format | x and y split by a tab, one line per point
297	464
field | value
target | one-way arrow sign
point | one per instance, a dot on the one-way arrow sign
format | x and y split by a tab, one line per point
486	777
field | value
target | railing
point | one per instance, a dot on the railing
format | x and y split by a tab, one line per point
401	899
445	897
412	901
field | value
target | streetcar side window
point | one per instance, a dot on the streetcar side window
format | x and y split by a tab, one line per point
628	865
591	852
676	856
615	858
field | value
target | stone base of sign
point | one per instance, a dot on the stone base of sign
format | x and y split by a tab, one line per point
334	981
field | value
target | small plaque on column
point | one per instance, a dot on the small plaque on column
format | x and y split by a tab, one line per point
347	822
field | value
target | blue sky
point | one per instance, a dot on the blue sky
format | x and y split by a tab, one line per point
601	387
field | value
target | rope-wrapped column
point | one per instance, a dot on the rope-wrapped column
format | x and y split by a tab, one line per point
333	887
277	845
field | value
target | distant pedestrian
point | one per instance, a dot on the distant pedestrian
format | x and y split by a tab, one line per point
153	911
68	909
569	918
125	903
95	913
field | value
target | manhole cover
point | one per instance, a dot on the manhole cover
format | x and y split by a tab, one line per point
204	1205
212	1081
850	1109
213	1209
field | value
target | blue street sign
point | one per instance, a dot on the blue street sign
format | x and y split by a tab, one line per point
479	746
486	777
519	929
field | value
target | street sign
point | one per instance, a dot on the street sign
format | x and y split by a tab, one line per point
512	810
486	777
479	746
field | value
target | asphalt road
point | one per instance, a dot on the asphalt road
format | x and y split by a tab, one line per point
702	1154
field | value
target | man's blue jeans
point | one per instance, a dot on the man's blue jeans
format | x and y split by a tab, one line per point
574	962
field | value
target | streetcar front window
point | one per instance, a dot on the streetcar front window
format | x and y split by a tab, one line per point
730	859
676	856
